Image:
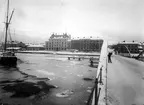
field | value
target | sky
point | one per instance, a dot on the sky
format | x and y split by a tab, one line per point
115	20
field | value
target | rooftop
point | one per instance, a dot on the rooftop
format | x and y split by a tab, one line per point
87	39
129	43
64	35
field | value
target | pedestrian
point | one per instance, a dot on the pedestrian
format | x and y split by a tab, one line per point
91	61
109	57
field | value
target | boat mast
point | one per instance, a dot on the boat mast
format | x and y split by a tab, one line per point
7	24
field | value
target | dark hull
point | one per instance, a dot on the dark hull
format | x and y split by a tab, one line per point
8	61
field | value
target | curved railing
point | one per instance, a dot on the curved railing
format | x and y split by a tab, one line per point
128	50
99	91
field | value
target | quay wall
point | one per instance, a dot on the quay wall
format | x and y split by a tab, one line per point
61	53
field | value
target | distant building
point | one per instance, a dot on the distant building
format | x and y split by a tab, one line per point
14	45
126	47
87	44
69	44
14	48
142	44
58	42
35	47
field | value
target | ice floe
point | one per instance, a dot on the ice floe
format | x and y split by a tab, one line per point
45	72
65	93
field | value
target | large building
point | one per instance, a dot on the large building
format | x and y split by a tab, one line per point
58	42
128	47
87	44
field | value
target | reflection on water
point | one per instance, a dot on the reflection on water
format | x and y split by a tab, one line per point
46	79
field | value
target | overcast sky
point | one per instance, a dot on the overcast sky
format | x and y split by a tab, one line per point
116	19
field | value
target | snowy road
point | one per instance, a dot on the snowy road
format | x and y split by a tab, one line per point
125	81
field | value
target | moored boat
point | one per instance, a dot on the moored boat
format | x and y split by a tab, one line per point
8	57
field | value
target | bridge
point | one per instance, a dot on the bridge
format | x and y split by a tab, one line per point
118	83
125	81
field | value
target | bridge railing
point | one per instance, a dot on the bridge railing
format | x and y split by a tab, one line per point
98	92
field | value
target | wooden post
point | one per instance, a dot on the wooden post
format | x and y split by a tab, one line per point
68	58
91	62
79	58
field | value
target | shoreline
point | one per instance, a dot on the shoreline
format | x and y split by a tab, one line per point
61	53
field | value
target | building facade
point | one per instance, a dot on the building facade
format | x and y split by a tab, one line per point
58	42
142	44
126	47
87	44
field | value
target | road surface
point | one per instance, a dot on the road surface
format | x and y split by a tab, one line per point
125	81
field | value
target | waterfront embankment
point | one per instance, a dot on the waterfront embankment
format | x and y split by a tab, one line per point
62	53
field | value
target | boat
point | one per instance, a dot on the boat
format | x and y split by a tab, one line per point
8	58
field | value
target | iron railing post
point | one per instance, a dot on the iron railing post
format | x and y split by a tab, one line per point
96	91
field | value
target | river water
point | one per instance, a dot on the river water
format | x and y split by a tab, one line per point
45	79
